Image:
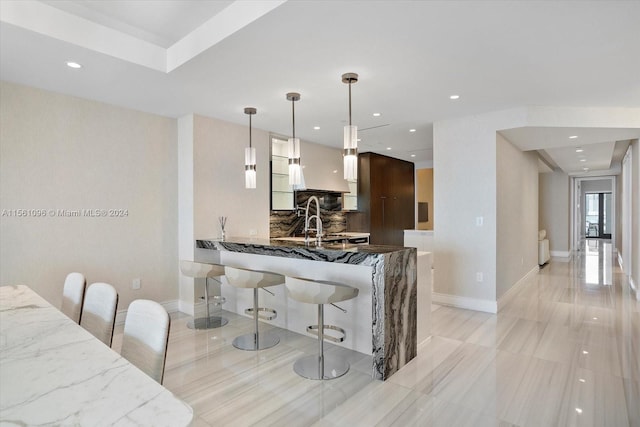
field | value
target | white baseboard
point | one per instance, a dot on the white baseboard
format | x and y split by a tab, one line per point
170	306
560	254
635	288
186	308
513	290
487	306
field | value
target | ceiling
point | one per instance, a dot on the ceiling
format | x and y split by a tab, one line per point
216	57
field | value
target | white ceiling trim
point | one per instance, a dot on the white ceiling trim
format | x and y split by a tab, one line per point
49	21
216	29
52	22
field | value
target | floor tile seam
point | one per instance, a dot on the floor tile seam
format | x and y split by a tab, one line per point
225	350
263	398
218	380
416	396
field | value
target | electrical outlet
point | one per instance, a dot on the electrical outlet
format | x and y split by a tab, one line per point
136	284
479	221
479	276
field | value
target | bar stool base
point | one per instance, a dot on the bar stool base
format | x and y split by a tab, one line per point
207	322
248	341
309	367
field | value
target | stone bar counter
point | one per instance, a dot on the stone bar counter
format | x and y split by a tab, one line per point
381	321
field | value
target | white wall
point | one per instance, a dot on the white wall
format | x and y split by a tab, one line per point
465	189
635	216
61	152
517	214
554	212
465	182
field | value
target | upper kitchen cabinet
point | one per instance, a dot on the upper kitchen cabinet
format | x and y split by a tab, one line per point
281	192
386	199
321	171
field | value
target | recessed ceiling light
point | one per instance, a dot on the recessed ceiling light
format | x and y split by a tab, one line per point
585	169
335	171
582	380
316	128
595	318
72	64
579	150
585	352
388	148
412	130
573	136
454	97
578	410
376	114
413	155
583	160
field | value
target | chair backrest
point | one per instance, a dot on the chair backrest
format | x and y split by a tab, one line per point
72	296
146	332
99	311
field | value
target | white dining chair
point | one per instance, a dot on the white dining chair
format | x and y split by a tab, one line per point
146	332
99	311
73	295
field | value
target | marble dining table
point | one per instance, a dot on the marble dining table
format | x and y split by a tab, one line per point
53	372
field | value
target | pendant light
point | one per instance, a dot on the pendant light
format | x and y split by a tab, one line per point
295	172
250	156
350	153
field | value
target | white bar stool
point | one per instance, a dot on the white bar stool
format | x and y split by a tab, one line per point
321	366
243	278
199	270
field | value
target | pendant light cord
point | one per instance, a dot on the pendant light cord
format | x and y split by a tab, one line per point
349	102
293	114
250	130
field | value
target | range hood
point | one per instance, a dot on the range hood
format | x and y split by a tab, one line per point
322	168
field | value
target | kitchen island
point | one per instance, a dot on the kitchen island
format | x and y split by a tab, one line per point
381	321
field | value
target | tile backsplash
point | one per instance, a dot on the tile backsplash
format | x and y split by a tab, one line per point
290	223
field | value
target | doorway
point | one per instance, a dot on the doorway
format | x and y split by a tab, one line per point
597	211
600	224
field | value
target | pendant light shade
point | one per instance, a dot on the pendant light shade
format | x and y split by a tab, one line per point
250	156
350	153
295	171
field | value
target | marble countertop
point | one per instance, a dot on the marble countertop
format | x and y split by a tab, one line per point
53	372
325	251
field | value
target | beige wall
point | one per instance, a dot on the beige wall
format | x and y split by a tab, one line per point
464	161
517	214
554	209
635	213
424	193
212	185
61	152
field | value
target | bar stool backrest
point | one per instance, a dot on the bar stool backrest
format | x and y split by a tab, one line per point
200	270
242	278
73	295
99	311
146	332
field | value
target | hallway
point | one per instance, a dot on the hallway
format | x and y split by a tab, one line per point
565	351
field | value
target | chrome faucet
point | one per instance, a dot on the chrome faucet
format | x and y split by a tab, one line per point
308	218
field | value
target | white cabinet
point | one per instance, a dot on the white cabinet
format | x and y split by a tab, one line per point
281	191
420	239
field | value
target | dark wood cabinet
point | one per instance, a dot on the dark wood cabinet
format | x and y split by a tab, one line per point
386	200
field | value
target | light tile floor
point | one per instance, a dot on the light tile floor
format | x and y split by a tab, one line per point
565	351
